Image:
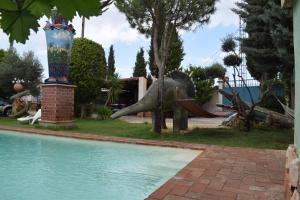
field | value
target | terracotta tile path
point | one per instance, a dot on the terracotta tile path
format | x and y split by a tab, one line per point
228	173
218	173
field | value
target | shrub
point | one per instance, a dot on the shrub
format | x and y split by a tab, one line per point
103	112
203	78
270	102
277	90
87	71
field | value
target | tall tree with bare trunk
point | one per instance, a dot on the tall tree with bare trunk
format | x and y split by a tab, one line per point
147	16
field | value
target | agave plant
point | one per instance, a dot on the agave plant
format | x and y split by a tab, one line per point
115	87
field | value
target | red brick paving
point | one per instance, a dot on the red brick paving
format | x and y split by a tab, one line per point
218	173
228	173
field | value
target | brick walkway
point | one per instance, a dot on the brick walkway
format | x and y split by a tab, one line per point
219	173
228	173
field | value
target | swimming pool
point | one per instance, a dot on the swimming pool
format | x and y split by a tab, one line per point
35	167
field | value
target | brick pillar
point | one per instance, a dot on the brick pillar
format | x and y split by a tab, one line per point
57	105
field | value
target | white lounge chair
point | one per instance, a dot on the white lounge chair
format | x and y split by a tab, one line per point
37	116
25	120
31	119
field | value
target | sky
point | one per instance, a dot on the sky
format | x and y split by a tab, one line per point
202	46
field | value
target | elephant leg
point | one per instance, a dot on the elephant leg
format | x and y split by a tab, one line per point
180	119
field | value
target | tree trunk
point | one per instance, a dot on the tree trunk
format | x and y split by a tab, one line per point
158	111
292	95
82	27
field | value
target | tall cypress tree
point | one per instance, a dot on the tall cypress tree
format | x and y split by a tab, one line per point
175	56
111	62
262	60
176	53
281	24
105	65
140	65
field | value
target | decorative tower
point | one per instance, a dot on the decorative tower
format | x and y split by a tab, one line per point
57	94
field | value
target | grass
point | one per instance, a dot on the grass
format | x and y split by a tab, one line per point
257	138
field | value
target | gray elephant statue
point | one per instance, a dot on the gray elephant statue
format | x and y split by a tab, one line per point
177	85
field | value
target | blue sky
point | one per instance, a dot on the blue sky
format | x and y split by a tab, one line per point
201	46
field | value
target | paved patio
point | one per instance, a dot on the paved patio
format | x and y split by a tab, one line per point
218	173
228	173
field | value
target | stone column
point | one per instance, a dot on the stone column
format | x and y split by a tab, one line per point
142	89
220	96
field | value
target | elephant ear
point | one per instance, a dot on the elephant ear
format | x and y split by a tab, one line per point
185	80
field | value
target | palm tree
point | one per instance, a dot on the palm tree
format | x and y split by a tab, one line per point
115	88
104	8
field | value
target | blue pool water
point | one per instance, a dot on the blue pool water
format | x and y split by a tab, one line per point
35	167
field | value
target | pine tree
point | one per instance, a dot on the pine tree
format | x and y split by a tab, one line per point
280	21
140	65
262	60
111	62
174	59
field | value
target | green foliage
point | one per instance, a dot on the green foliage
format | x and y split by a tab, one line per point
140	65
280	21
189	12
228	44
271	103
115	87
203	78
232	59
103	112
87	70
216	70
26	67
175	56
277	89
105	64
2	54
261	56
204	91
272	84
111	62
18	17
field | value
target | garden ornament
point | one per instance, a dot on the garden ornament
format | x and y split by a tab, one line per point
59	36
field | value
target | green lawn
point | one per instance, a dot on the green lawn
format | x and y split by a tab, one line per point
257	138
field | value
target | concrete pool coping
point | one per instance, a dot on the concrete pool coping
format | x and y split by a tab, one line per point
217	173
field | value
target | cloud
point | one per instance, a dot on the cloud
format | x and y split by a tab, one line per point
109	28
224	16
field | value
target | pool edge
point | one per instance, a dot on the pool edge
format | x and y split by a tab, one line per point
95	137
